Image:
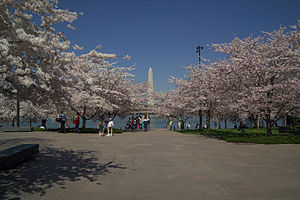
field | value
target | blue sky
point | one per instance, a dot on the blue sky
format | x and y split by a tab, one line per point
164	34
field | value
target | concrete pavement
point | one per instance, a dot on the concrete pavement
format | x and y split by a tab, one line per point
158	164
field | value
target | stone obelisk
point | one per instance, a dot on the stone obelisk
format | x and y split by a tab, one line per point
150	88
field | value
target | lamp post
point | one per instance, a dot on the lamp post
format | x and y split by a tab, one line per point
198	50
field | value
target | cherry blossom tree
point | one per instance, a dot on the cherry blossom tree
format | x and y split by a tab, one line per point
8	110
265	74
28	111
200	90
169	103
37	112
98	88
30	48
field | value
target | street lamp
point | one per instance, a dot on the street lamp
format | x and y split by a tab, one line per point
198	50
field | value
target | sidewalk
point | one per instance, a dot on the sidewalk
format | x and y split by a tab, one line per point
158	164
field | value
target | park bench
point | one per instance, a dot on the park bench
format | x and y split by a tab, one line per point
15	155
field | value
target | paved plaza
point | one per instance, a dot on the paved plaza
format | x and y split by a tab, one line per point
158	164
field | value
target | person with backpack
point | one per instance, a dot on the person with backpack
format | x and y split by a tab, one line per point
62	120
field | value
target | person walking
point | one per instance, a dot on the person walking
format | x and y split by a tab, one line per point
137	119
128	124
171	123
188	126
140	122
148	122
76	122
132	123
197	125
101	128
110	126
145	122
63	120
179	122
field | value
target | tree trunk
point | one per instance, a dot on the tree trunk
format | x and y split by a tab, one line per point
284	121
13	122
83	121
293	122
30	123
18	112
225	123
269	128
83	117
219	121
269	125
255	121
258	123
200	120
208	120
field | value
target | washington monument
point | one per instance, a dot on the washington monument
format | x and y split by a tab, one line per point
150	88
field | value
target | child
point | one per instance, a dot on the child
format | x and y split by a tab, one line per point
101	128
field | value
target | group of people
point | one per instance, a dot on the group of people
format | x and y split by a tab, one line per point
180	124
109	123
62	119
138	123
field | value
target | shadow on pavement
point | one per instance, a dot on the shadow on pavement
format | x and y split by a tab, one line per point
52	167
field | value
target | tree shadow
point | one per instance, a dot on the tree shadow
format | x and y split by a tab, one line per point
52	167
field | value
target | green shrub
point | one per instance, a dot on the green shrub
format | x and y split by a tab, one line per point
39	129
117	131
266	139
249	135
